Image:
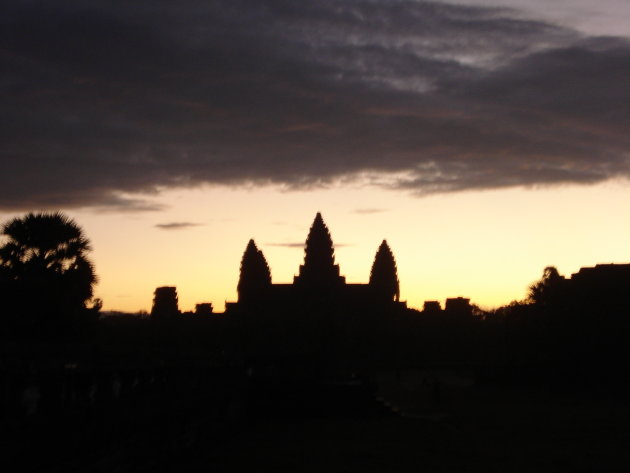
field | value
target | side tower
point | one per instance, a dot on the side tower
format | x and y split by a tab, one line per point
384	275
255	278
319	271
165	303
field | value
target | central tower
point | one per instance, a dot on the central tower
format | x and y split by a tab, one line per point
319	270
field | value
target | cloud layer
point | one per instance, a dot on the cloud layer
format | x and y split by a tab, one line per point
102	100
176	225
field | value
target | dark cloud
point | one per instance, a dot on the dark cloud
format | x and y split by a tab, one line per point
108	99
176	225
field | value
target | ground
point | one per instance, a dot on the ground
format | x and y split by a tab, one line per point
412	425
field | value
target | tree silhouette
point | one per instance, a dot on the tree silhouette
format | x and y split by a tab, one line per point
45	266
255	275
384	275
549	289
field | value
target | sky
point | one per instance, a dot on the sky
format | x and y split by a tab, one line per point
484	139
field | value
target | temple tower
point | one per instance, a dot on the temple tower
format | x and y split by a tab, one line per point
165	303
384	274
255	278
319	270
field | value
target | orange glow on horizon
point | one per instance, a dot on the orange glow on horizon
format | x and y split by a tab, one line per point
486	246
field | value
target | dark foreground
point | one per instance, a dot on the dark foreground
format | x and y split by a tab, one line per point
409	422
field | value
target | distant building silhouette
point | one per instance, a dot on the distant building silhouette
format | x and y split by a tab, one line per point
165	303
318	281
432	307
458	306
604	285
612	278
602	288
204	308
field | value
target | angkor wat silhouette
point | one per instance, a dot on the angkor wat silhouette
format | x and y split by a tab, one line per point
319	282
318	286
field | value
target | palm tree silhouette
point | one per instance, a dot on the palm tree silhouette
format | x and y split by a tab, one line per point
44	260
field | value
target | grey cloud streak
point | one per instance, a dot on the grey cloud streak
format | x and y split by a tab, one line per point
176	225
369	211
101	100
296	244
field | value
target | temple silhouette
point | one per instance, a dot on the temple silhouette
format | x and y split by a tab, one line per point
318	284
